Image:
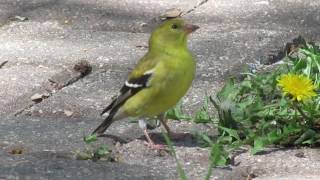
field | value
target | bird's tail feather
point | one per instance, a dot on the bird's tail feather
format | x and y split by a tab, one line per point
106	123
109	107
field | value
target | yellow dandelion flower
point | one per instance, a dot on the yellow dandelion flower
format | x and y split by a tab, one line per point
299	87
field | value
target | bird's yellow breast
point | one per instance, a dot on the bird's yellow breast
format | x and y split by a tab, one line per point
169	83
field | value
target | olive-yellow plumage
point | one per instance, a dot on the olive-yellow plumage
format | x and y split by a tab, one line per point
160	79
172	77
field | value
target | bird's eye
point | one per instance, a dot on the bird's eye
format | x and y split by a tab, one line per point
174	26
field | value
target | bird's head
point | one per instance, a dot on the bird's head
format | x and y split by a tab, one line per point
171	34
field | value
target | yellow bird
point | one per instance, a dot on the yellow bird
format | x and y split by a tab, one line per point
159	80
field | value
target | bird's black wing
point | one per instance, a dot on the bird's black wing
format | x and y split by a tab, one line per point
130	88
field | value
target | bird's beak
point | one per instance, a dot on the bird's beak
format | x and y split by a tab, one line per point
189	28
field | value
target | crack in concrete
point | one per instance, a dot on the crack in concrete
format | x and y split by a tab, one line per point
195	7
56	83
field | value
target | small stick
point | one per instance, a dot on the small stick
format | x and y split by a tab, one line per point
3	63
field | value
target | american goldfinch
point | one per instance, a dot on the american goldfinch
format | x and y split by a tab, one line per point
159	80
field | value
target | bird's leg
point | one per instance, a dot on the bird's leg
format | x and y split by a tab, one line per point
151	144
163	121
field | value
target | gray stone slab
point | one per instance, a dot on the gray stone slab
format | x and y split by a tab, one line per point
221	46
60	168
47	152
283	163
108	34
48	145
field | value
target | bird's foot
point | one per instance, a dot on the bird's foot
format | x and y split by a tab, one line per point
151	144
